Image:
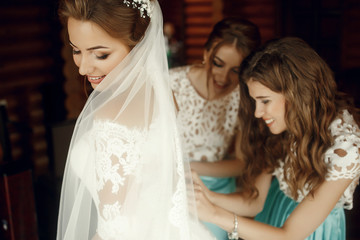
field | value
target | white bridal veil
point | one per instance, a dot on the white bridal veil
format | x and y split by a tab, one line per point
125	177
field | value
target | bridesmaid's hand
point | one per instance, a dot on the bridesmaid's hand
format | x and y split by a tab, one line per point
205	208
198	182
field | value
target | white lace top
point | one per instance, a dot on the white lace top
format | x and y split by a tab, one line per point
342	159
207	127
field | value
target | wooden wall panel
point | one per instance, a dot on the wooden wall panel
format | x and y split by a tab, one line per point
199	16
350	49
31	77
264	13
199	19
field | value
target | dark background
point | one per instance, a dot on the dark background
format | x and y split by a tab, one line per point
43	93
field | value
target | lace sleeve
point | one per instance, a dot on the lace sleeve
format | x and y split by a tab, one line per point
117	164
343	158
176	75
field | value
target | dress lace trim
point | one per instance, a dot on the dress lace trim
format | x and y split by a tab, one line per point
342	159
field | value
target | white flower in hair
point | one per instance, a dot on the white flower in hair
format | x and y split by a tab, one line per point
142	5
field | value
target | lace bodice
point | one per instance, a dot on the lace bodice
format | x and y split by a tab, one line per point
117	160
342	159
123	158
207	127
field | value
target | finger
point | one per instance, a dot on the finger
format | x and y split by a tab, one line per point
198	187
196	177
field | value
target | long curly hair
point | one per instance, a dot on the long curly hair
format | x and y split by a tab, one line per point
291	67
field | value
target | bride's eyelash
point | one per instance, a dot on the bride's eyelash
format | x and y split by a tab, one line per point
102	57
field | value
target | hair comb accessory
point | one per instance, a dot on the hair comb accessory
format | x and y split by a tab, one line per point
142	5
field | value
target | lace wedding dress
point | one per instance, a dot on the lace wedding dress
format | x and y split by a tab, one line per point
126	180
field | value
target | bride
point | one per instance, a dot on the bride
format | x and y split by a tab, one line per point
124	176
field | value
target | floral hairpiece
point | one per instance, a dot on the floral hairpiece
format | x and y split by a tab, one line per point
142	5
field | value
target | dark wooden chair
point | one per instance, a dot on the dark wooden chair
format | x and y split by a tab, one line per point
17	202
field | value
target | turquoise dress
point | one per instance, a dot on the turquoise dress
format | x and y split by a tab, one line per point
278	207
219	185
343	162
